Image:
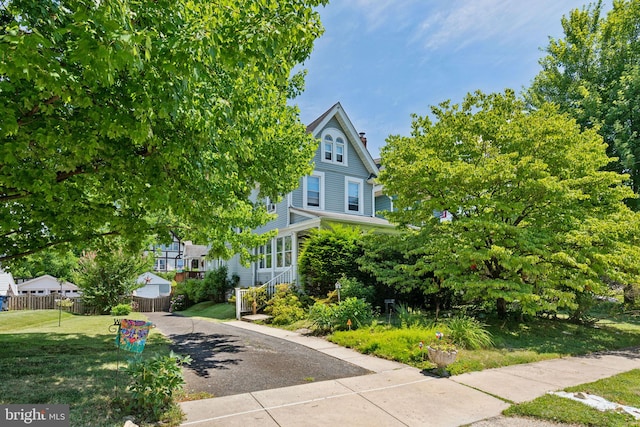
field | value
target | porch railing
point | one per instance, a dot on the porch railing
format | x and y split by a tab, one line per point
244	303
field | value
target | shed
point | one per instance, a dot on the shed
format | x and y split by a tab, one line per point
154	286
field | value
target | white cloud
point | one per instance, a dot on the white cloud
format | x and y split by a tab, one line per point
384	13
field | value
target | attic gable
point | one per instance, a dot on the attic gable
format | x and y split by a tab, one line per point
336	111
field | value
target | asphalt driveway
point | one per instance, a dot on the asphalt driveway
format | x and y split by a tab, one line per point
229	360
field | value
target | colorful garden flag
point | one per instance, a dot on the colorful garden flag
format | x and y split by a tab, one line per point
132	335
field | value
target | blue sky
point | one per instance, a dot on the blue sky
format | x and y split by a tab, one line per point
386	59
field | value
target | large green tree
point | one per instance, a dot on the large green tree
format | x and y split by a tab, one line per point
130	118
535	219
108	277
593	73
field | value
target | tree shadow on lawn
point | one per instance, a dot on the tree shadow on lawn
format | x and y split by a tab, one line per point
207	351
74	369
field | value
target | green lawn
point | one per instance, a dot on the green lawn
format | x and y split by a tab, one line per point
514	342
623	389
211	310
74	363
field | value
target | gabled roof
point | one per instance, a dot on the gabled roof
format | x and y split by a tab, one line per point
195	251
7	284
46	281
149	278
351	133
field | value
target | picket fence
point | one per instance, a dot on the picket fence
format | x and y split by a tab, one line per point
48	302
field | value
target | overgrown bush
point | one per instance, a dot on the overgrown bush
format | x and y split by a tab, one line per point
121	310
285	307
154	382
353	288
213	287
330	317
216	284
357	310
192	288
327	256
467	332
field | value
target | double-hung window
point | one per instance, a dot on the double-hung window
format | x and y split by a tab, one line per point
284	248
313	191
265	253
333	147
353	200
328	148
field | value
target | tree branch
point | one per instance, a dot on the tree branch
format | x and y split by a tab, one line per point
8	257
36	108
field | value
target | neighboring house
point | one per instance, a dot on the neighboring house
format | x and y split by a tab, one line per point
154	286
179	255
340	190
169	257
46	285
195	256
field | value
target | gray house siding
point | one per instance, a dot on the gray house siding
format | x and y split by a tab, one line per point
334	180
280	221
383	204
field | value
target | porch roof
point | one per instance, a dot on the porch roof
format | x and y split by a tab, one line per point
368	221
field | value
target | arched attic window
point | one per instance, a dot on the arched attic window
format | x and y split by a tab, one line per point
334	148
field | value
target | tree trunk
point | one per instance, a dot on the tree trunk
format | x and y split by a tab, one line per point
630	295
501	307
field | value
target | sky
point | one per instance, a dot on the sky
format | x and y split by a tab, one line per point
386	59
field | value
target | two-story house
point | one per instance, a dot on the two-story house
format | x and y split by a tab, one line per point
180	255
340	190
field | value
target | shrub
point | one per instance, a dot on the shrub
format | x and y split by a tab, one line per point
216	284
194	290
329	317
178	303
121	310
469	333
323	317
353	288
285	307
257	294
154	382
327	256
357	310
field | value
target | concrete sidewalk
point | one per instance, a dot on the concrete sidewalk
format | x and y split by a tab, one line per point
399	395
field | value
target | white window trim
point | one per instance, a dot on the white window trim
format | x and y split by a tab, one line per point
283	254
360	183
304	191
262	252
335	135
271	206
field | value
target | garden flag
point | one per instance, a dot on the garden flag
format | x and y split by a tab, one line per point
132	335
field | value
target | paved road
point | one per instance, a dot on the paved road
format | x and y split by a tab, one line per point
229	360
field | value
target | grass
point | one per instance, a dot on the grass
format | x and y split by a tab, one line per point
514	343
623	389
74	363
211	310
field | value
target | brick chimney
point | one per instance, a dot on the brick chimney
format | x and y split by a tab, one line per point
363	139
